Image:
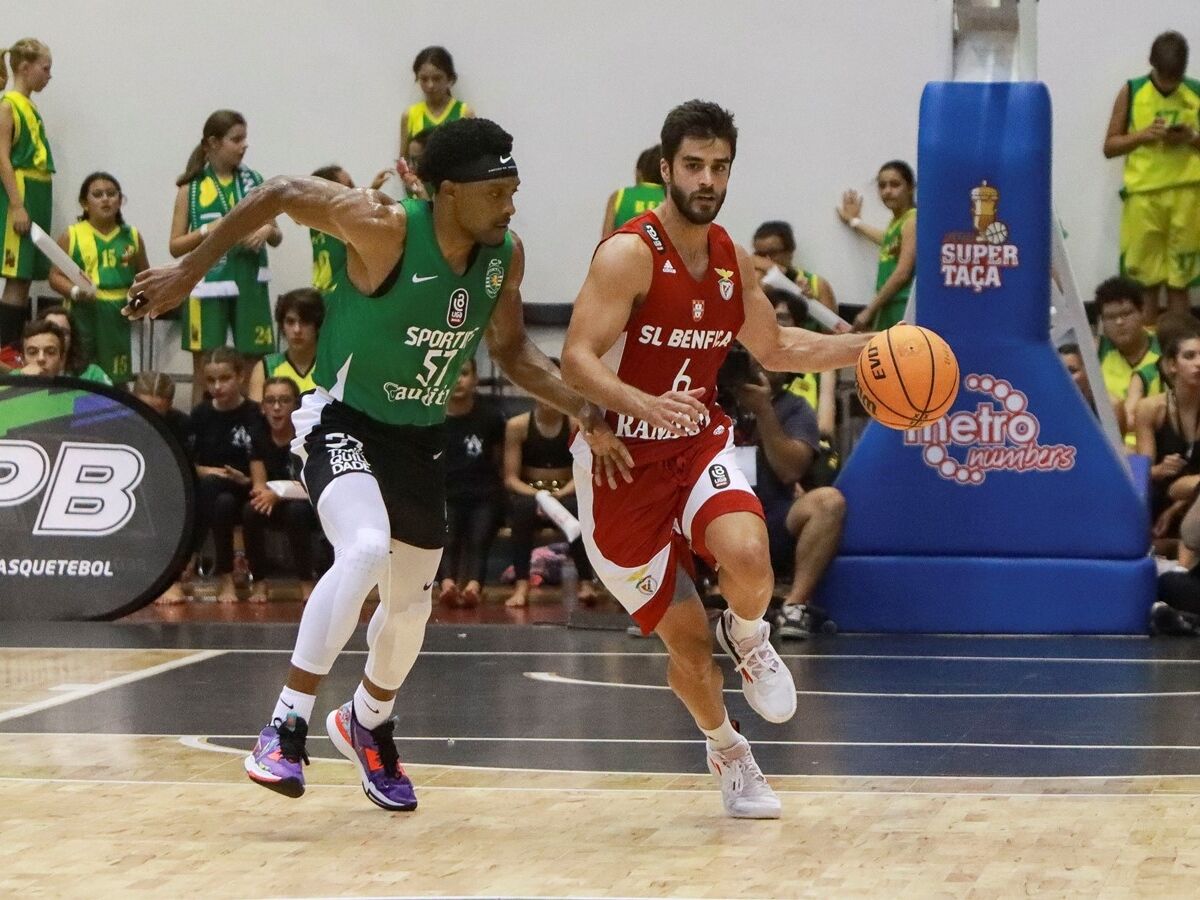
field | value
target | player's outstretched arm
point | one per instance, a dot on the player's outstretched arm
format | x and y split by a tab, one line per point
783	349
620	273
529	368
368	222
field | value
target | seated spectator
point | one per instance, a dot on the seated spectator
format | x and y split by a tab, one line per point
111	254
43	347
299	315
897	186
1167	426
645	194
803	526
328	253
537	458
267	509
157	391
227	429
77	363
819	389
775	245
1126	346
474	490
410	166
1072	358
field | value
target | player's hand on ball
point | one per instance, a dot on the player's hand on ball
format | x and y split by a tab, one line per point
610	457
156	291
680	413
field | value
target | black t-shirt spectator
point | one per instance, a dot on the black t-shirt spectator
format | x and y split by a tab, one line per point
227	437
278	460
474	444
180	425
798	420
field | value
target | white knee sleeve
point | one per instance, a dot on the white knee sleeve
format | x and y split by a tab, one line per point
397	628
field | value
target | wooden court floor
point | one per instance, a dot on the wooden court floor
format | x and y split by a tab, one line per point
549	762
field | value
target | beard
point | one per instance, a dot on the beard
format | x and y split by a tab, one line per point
683	203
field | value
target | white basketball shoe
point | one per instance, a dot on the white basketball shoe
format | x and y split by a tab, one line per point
766	681
744	790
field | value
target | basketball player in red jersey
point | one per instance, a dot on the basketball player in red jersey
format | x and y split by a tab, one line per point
665	297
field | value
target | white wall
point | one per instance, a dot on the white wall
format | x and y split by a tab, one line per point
823	93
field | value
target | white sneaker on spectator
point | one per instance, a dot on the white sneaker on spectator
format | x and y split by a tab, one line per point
766	681
744	790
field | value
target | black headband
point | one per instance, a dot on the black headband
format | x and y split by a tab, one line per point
482	168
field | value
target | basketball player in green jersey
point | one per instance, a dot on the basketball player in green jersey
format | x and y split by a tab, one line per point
110	252
630	202
897	244
427	281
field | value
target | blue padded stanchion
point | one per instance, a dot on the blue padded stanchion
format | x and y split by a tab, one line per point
1012	514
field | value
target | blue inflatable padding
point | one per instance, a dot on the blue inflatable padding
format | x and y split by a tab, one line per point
1139	469
906	594
1015	496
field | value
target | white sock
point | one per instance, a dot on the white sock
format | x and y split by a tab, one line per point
723	736
371	711
293	702
740	629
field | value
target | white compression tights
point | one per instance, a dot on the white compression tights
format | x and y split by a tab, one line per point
356	522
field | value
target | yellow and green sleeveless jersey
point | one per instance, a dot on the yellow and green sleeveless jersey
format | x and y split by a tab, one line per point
1117	371
396	356
1152	167
329	260
631	202
889	256
210	198
419	117
278	365
107	259
30	147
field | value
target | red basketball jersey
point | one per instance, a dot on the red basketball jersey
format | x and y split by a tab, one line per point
679	336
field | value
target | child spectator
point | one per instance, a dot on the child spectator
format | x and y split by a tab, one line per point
298	315
234	291
77	362
1072	358
43	347
645	194
409	167
775	245
157	391
474	492
537	457
1155	125
434	72
227	429
1127	347
110	253
26	168
329	254
897	244
295	517
1168	429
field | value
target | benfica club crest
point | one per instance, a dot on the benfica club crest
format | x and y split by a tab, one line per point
725	283
697	310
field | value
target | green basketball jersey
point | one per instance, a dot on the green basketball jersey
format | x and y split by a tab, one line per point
240	270
631	202
106	259
30	148
329	260
396	356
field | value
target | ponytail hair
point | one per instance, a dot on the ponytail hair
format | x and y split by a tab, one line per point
216	126
25	50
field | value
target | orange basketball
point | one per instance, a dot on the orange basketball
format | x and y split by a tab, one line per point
907	377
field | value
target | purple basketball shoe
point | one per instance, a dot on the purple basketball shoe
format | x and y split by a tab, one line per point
279	757
374	752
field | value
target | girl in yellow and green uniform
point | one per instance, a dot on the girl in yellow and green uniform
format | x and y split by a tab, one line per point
897	244
234	292
26	168
110	253
435	74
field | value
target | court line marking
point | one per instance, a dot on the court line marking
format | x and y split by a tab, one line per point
555	678
836	657
19	779
87	690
